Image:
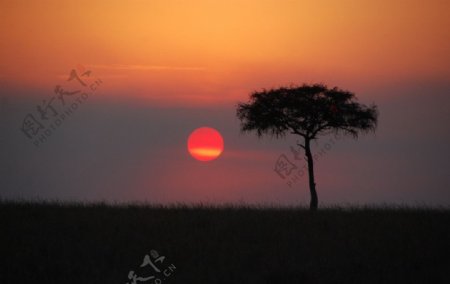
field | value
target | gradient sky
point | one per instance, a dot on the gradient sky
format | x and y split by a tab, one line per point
168	67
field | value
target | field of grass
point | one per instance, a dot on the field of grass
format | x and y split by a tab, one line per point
51	242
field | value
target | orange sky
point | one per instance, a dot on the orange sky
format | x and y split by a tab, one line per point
215	51
169	67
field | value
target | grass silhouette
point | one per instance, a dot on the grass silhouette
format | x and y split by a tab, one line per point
60	242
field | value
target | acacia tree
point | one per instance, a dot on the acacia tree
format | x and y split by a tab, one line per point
308	111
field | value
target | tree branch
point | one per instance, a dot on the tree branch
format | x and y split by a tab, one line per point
294	130
320	128
301	145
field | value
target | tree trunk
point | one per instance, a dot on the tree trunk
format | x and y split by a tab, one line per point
312	185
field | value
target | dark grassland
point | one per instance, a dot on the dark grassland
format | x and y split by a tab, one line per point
51	242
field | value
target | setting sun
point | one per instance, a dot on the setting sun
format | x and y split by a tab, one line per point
205	144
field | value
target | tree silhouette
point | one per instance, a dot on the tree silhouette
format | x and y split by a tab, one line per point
307	111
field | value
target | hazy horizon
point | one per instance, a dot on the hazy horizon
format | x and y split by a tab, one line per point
169	67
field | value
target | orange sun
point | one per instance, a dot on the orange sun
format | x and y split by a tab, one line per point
205	144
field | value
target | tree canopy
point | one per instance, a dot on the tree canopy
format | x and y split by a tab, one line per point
306	110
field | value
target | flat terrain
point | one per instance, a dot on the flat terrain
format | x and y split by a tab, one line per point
50	242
